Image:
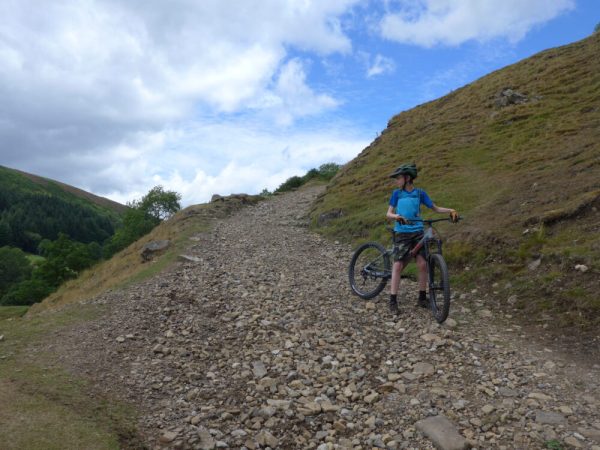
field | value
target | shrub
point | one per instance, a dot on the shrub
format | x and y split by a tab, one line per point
27	292
325	172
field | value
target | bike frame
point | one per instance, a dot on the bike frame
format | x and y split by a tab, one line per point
368	278
428	238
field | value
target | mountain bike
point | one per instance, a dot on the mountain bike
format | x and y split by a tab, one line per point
371	268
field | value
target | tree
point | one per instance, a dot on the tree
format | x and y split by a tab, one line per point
159	203
5	233
14	268
136	223
597	28
143	215
27	292
64	259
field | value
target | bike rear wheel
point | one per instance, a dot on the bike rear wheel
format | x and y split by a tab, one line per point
439	287
369	270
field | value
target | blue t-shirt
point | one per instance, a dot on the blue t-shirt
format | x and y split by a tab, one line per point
408	205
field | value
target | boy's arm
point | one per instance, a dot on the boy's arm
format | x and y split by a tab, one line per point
391	214
442	210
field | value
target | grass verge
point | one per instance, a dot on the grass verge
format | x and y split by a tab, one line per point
44	407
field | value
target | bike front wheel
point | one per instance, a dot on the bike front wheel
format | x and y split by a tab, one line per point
369	270
439	287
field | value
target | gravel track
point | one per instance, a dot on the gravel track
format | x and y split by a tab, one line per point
259	343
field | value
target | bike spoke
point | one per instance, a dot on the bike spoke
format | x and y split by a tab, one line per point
368	270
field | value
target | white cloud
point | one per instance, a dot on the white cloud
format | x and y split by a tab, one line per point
380	65
452	22
96	93
154	60
291	97
224	158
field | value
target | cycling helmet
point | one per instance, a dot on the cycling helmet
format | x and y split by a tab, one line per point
406	169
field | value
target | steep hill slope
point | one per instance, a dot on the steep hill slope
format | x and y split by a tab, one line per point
34	208
517	152
51	184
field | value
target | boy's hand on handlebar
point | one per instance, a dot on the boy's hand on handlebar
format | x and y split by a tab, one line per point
401	220
454	216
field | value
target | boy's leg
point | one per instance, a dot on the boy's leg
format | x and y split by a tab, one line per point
396	271
422	277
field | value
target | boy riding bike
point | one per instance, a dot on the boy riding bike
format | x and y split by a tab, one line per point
405	209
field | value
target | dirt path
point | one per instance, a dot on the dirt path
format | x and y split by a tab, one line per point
259	343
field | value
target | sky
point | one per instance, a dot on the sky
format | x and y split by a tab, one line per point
211	97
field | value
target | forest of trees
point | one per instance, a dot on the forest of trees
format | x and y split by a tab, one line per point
26	218
47	237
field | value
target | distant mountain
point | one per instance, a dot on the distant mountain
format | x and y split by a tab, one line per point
33	208
517	153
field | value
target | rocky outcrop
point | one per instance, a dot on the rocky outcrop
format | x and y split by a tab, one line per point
326	217
149	250
508	96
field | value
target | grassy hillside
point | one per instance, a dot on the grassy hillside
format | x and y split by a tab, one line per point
57	186
526	176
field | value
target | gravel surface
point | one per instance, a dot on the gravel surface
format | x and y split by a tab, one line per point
256	341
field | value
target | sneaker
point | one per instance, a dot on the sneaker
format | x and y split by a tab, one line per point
394	307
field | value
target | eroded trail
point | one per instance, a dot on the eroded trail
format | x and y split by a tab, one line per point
261	344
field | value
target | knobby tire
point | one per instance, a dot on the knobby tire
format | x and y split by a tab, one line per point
439	287
368	261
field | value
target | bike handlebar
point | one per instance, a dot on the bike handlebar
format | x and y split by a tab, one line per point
430	221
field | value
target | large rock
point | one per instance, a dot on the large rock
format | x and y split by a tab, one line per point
442	433
152	248
190	258
508	96
328	216
549	417
259	369
423	368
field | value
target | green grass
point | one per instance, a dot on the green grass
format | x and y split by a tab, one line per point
9	312
159	264
525	177
44	407
553	445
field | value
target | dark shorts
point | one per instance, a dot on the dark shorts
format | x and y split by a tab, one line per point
404	242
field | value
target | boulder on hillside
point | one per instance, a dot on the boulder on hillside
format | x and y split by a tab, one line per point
152	248
244	198
328	216
508	96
